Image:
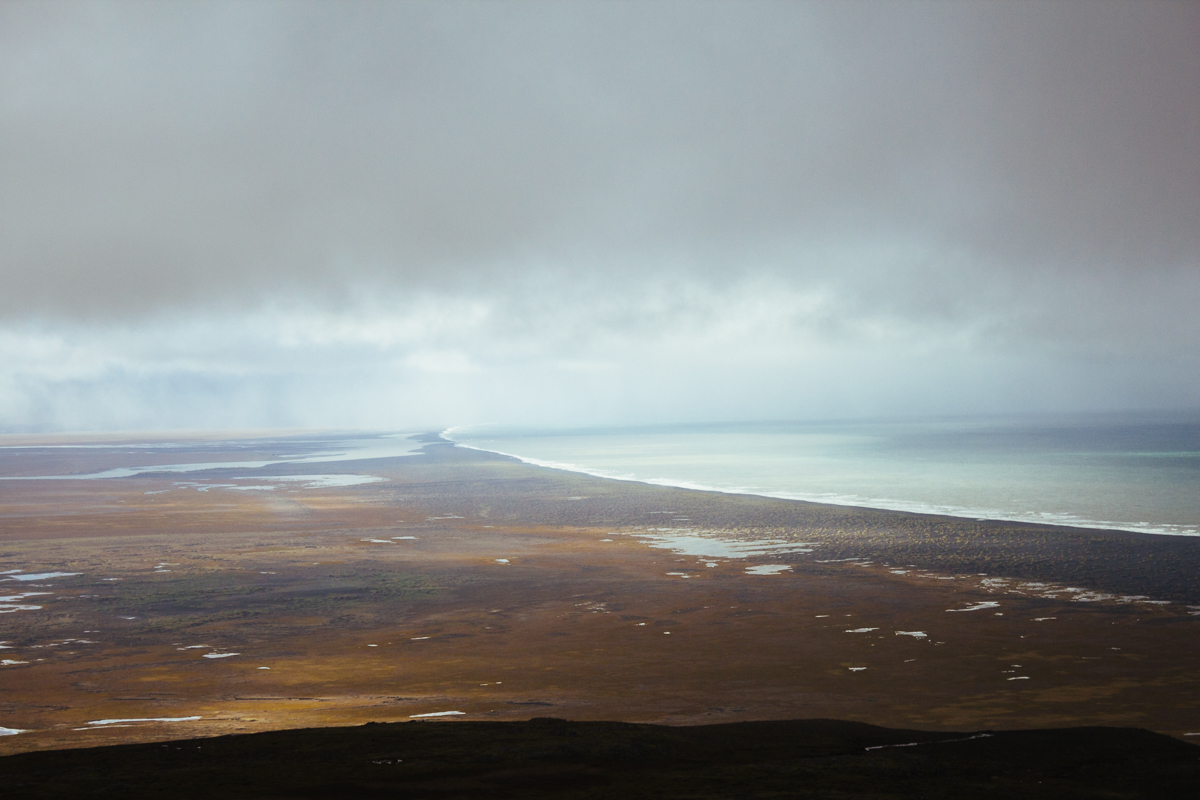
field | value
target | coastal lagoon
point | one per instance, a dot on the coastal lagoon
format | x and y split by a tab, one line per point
286	451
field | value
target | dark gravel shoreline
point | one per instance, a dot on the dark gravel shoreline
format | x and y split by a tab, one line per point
482	485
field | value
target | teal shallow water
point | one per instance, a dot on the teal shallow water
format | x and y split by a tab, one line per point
1118	473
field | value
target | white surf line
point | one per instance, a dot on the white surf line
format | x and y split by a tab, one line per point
881	504
914	634
862	630
219	655
438	714
939	741
101	722
14	731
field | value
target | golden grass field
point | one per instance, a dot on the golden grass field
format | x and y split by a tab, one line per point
467	582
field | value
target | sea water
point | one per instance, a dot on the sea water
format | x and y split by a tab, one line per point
1116	472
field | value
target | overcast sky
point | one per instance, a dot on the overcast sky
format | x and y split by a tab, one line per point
400	215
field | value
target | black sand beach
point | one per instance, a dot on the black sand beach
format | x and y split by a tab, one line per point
1117	562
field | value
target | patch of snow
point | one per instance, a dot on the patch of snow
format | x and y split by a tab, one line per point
686	542
977	606
39	576
7	608
768	569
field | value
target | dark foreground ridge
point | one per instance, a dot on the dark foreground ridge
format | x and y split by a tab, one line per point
552	758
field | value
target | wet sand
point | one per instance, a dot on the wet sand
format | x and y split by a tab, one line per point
472	583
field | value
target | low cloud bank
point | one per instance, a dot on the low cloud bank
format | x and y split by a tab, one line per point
377	214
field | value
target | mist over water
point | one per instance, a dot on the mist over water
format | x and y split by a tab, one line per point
1139	474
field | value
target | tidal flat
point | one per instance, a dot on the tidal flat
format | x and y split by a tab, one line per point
467	586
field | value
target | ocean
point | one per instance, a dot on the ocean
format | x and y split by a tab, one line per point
1115	472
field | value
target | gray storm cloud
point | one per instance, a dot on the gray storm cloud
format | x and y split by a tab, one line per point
604	209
